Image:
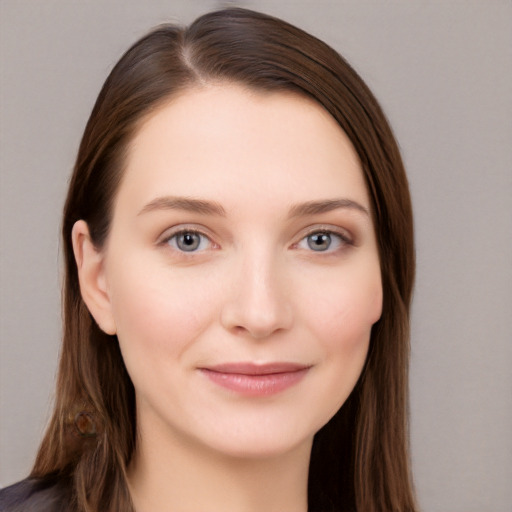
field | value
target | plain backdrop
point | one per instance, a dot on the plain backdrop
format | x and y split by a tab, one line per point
442	71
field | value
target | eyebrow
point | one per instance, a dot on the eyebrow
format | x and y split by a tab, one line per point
184	203
203	207
324	206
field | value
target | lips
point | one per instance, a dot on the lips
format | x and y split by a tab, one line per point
256	379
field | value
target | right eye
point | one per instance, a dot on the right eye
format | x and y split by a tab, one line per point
324	241
189	241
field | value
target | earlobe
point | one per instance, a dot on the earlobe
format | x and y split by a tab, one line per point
91	274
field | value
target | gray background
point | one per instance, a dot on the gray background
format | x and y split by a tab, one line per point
442	70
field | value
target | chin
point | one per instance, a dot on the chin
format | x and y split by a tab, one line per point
260	438
262	448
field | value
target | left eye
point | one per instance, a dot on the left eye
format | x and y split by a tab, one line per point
189	241
322	241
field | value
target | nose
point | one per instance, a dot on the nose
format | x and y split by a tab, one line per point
258	303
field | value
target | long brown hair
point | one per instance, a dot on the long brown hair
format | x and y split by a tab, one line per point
360	458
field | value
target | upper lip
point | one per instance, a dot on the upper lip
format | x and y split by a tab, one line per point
248	368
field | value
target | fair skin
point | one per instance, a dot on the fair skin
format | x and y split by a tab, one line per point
241	277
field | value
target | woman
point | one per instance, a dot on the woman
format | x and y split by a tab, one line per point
239	267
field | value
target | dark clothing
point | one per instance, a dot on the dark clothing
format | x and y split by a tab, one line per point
50	494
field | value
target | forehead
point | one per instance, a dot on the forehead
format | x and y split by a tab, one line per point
220	139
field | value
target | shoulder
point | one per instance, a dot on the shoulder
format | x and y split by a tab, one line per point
33	494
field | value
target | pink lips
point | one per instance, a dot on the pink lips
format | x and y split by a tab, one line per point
256	380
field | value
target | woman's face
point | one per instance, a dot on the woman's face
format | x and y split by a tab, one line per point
241	272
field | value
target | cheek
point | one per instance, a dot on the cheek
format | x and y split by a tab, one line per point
341	319
159	313
347	312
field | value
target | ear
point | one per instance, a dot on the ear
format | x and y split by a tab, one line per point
90	263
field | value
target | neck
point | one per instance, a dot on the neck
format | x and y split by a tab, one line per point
181	476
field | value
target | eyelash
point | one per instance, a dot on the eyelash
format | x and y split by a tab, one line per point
342	240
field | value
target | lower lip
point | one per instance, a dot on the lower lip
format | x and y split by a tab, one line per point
256	385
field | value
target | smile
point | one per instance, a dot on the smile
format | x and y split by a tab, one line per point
256	380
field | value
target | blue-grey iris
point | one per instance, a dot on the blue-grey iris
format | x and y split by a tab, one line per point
319	241
188	241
